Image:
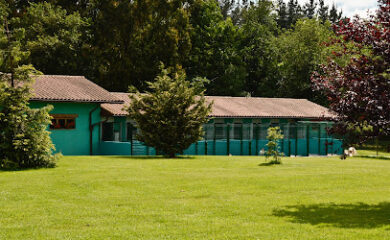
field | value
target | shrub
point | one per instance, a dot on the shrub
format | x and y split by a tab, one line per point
171	115
274	135
24	139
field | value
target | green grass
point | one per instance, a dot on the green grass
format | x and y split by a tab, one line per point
198	198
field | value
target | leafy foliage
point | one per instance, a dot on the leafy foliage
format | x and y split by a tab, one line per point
24	139
54	38
170	116
215	52
274	134
288	14
359	90
131	38
259	50
301	50
234	43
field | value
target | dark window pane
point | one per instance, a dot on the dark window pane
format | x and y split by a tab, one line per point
108	132
237	131
220	131
70	124
61	123
131	132
53	124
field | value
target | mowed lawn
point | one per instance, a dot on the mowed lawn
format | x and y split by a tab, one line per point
198	198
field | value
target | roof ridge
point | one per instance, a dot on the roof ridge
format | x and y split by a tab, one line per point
54	75
259	97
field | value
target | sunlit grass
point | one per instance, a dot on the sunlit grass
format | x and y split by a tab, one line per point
198	198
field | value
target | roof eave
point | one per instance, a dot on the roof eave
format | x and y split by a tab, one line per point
77	101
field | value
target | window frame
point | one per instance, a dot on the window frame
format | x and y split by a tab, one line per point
65	117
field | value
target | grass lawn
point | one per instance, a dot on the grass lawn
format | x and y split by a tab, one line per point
198	198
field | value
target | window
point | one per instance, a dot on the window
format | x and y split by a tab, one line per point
220	131
261	131
274	122
208	131
63	121
108	131
237	131
131	132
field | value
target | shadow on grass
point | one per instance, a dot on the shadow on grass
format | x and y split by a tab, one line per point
270	163
379	157
266	164
152	157
358	215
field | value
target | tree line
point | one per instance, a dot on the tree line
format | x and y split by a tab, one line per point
260	48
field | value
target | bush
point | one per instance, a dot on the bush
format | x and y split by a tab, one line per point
274	135
24	139
171	115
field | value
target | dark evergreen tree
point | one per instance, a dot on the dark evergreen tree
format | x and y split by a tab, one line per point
215	52
309	9
170	116
335	15
323	11
294	12
282	15
259	51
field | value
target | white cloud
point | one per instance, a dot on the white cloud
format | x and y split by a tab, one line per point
351	7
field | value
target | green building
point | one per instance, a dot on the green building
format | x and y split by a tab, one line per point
87	119
237	126
75	128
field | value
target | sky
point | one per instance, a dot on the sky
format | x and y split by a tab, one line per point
351	7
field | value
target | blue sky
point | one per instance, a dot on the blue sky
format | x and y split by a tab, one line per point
352	7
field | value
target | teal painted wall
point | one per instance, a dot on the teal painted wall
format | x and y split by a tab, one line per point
74	141
318	142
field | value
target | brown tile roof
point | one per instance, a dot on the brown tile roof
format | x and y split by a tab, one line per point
253	107
117	109
247	107
58	88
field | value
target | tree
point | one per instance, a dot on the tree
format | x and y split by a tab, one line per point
259	50
323	11
215	52
334	15
282	15
233	9
294	12
301	50
274	134
310	9
129	39
24	139
54	39
170	116
359	89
